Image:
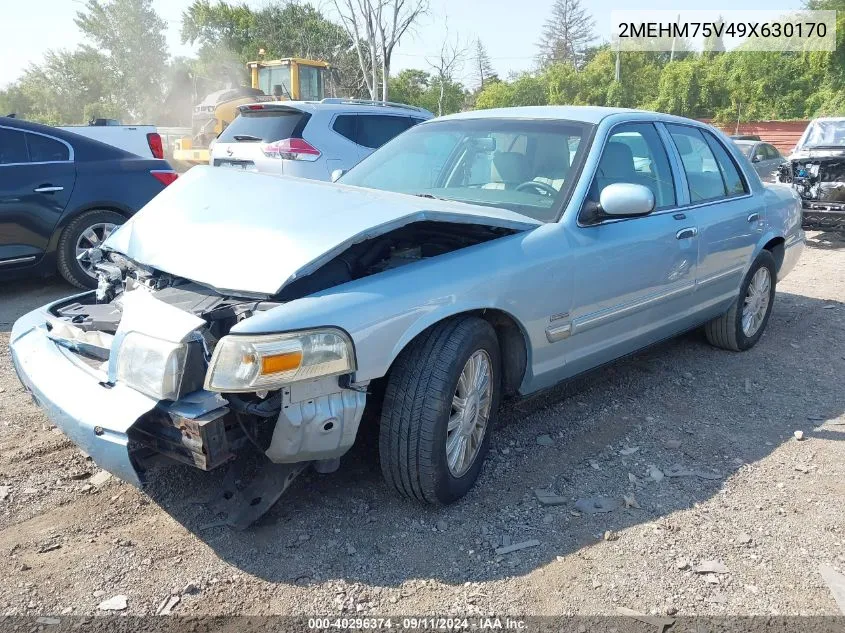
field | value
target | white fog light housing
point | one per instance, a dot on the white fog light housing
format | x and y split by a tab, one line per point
151	365
270	361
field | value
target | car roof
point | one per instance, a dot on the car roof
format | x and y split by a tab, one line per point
344	105
742	141
584	114
84	148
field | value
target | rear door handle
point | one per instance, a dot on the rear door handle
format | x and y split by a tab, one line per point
687	233
48	189
754	217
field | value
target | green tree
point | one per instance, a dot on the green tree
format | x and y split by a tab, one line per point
566	34
129	35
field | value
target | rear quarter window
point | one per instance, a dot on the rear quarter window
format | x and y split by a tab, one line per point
266	126
46	150
374	130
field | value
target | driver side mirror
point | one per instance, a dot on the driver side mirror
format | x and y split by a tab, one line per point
626	199
757	158
337	173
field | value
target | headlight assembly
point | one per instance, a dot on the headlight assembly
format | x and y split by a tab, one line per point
269	361
151	365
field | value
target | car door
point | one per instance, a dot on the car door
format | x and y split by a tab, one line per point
343	151
374	130
772	161
729	219
37	176
636	276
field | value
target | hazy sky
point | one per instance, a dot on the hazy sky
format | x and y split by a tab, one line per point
509	28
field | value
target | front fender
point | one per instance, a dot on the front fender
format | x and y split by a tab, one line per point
384	312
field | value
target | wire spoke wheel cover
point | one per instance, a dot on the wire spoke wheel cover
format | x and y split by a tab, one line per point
470	413
756	302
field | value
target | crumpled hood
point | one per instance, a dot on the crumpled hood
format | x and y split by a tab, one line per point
254	233
810	154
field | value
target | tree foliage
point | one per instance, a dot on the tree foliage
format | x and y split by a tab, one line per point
566	34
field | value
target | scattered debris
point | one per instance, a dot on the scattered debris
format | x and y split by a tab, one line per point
672	444
167	605
747	386
633	479
545	440
190	588
711	567
711	579
597	505
98	479
678	471
548	519
799	435
655	473
629	451
115	603
682	563
507	549
4	492
350	550
441	525
47	621
48	547
815	418
609	535
548	498
654	620
752	589
836	583
630	501
594	465
744	539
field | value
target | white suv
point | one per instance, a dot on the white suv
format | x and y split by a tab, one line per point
310	139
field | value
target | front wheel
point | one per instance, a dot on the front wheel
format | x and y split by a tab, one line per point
439	407
742	325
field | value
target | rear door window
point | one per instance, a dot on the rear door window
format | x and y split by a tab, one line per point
734	184
46	150
702	172
374	130
12	147
345	125
264	126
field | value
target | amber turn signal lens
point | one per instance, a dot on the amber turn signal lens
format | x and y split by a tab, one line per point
280	362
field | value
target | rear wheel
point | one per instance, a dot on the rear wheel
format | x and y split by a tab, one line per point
439	408
742	325
85	232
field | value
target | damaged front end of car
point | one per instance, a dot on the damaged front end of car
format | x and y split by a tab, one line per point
819	179
144	368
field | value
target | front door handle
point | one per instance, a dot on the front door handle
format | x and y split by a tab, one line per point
48	189
754	217
687	233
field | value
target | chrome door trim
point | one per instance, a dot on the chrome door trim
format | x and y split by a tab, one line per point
17	260
719	275
558	332
687	233
50	189
607	315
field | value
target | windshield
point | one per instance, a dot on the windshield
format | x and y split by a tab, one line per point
823	134
519	165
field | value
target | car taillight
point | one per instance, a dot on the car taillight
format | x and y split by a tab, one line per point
291	149
164	177
156	147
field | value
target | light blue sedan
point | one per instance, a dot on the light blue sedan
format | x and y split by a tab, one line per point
475	257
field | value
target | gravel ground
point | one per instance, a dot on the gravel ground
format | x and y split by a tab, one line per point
761	508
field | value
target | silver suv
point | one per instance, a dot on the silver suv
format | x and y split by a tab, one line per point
310	139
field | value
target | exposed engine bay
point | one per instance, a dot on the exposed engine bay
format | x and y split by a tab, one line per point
820	182
313	420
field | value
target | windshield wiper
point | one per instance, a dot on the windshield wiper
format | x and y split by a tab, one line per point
246	137
429	195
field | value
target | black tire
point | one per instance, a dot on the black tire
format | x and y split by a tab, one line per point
68	265
726	331
418	403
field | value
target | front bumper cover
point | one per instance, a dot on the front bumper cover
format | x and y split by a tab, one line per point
76	397
820	216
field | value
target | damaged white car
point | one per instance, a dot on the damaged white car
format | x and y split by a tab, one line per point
475	257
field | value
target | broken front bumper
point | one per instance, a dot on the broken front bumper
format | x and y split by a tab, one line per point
95	415
818	216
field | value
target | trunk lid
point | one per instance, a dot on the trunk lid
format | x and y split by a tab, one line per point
254	233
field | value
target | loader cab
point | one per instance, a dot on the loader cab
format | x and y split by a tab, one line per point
291	79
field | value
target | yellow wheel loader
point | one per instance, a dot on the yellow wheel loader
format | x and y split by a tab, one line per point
291	78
